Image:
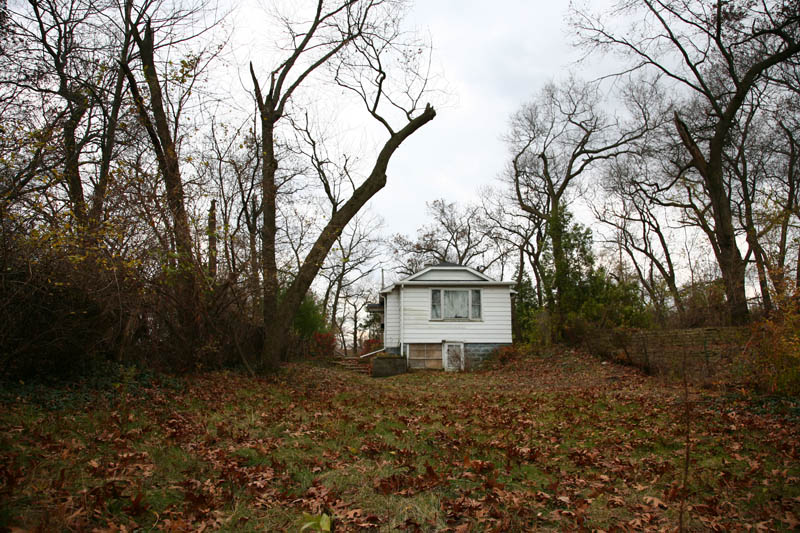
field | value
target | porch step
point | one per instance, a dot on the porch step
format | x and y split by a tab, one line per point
354	364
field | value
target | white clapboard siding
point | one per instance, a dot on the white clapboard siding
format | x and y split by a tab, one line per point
391	324
494	327
448	274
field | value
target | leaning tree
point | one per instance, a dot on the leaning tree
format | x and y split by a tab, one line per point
357	44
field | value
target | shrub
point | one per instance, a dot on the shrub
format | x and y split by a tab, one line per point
773	360
575	329
309	319
504	355
370	345
610	344
55	321
322	345
704	304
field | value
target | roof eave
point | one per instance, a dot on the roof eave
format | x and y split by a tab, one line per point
448	283
448	267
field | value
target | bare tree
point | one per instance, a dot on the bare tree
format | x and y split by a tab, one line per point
641	229
746	162
786	112
456	235
351	259
65	57
554	140
718	52
519	233
243	164
160	114
358	299
357	39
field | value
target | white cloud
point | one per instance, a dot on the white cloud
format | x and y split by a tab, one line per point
493	60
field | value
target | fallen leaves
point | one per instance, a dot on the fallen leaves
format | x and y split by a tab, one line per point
545	444
407	484
654	502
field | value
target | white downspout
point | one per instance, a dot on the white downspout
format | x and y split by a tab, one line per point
402	320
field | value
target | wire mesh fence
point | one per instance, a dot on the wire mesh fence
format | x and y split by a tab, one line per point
701	355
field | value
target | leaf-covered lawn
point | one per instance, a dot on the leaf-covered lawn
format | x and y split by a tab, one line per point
561	442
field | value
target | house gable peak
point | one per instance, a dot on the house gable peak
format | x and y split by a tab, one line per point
429	273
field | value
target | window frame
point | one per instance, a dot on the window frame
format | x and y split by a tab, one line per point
442	317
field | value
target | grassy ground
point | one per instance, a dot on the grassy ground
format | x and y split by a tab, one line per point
561	442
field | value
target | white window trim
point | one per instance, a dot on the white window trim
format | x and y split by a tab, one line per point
441	304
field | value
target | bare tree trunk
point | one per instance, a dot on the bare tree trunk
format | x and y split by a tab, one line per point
336	295
325	301
110	135
560	267
340	329
797	272
733	268
355	328
293	297
274	345
167	152
253	277
537	275
72	173
731	264
212	241
780	273
159	132
761	268
515	325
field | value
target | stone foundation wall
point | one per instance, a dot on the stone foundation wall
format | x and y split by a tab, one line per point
477	353
388	366
429	356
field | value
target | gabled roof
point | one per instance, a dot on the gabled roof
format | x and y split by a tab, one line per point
448	266
481	278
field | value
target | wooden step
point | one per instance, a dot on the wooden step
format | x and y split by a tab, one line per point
354	364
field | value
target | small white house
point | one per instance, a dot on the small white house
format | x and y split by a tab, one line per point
446	316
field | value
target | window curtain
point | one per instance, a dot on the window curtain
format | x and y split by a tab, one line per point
456	304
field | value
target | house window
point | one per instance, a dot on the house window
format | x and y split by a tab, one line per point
475	308
436	304
455	304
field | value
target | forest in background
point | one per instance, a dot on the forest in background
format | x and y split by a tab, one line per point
140	226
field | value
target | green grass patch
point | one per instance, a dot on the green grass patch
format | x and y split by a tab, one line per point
559	443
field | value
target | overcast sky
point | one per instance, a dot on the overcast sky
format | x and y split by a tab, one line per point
493	60
490	60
